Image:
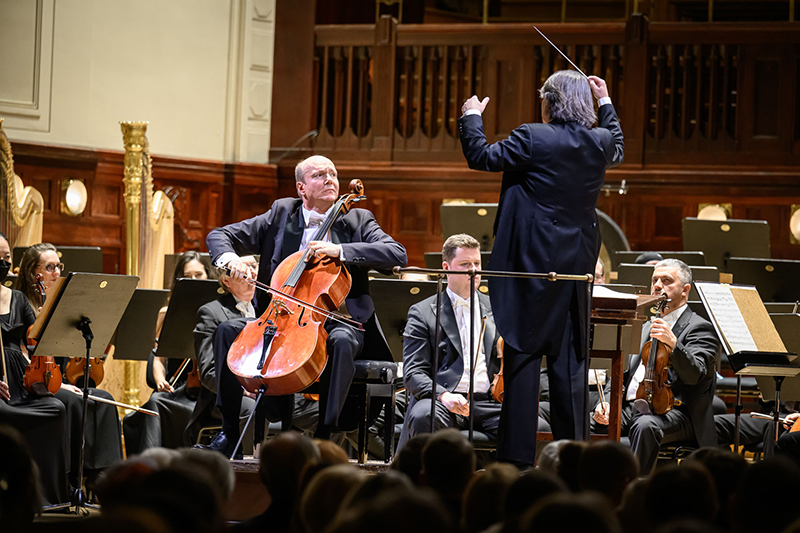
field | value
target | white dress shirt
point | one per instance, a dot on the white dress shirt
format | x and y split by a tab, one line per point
461	309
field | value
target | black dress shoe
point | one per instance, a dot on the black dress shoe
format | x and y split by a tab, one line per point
222	444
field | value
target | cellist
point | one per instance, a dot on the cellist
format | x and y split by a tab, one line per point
692	375
356	239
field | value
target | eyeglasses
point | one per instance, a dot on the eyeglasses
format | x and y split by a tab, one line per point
50	267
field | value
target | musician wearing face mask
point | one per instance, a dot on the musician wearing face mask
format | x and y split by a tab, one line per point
451	392
692	375
355	239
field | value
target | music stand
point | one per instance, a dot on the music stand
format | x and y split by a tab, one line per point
177	338
84	307
75	258
777	280
643	274
782	307
720	240
690	258
473	219
136	331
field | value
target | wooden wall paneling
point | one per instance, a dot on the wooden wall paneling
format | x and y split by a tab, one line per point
250	190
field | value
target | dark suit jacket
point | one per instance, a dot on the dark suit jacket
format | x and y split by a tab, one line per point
209	317
546	221
278	233
693	374
419	337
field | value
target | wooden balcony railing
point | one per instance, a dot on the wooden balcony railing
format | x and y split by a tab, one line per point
706	93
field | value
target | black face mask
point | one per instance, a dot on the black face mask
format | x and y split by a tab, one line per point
5	266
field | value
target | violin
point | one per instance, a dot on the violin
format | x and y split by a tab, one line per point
192	378
42	375
498	387
284	351
76	368
655	388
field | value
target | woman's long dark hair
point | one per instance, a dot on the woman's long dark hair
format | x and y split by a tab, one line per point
26	283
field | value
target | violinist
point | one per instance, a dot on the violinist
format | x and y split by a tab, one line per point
355	239
42	420
694	348
103	431
174	402
460	252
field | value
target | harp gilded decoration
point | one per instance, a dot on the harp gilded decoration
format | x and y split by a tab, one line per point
149	230
21	207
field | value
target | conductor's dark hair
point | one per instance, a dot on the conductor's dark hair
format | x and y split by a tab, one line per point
453	242
568	98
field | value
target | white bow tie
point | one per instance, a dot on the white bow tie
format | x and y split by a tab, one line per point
462	303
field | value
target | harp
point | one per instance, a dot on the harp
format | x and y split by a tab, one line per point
21	207
149	231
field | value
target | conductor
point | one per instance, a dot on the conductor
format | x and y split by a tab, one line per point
546	222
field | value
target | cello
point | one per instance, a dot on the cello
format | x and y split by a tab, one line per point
284	350
42	375
655	388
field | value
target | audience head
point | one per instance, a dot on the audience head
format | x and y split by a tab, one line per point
529	489
42	260
215	465
331	453
571	512
547	460
675	492
325	493
568	458
755	506
485	495
376	486
401	511
461	252
607	467
282	461
408	459
448	462
566	97
726	468
20	498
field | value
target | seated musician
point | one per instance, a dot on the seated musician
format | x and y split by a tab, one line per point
694	347
288	226
42	420
174	402
235	303
103	432
460	252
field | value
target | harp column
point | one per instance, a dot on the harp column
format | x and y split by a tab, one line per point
133	137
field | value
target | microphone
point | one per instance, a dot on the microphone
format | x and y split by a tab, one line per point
293	148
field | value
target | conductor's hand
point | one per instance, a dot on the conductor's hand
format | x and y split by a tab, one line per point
164	386
601	413
790	420
322	248
239	269
598	87
661	331
4	392
474	103
455	403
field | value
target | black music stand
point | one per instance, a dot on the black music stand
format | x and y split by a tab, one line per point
92	304
473	219
133	340
75	258
690	258
720	240
176	340
775	279
775	365
643	274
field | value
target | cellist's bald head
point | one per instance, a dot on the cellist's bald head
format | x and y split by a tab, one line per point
317	183
301	167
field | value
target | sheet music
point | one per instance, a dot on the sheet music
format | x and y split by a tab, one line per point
728	316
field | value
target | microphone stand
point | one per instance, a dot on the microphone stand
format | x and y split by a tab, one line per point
473	273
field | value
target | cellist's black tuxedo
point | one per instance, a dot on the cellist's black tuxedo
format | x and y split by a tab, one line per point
546	222
277	234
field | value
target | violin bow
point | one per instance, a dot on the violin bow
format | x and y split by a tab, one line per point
560	52
275	292
3	354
